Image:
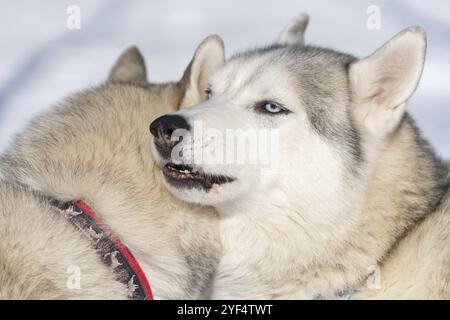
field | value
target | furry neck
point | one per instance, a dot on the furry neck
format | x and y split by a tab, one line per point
293	257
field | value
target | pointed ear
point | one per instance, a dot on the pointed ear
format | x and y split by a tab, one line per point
294	32
382	83
129	67
208	58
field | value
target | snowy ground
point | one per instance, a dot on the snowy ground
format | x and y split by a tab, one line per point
42	61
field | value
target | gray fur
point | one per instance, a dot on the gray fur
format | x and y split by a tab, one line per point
321	81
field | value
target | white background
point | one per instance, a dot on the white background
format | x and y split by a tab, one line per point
41	61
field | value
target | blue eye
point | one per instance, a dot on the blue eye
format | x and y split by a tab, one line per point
272	108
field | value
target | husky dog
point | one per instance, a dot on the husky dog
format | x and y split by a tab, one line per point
356	203
94	147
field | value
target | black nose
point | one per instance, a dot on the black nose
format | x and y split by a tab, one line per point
166	125
162	129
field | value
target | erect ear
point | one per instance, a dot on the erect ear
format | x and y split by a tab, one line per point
208	58
129	67
382	83
294	32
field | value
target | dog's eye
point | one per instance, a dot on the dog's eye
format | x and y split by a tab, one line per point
208	93
270	107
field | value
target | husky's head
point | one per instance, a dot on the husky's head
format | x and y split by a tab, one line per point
289	120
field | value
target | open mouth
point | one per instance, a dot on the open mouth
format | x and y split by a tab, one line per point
186	176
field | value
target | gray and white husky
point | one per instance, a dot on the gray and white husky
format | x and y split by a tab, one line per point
94	147
352	201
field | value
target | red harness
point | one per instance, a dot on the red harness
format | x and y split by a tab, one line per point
113	252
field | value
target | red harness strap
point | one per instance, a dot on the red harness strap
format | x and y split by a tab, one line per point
124	251
112	251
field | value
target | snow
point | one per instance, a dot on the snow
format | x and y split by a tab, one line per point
42	61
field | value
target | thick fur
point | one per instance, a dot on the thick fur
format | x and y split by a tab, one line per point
95	146
356	189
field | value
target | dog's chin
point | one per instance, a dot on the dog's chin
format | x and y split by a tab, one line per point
193	184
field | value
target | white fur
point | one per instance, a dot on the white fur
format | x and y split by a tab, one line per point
313	228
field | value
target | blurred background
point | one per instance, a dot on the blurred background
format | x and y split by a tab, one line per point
42	59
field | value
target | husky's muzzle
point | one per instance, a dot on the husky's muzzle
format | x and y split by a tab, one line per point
180	175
